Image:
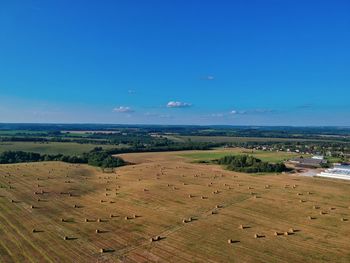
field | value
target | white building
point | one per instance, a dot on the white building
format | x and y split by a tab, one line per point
338	172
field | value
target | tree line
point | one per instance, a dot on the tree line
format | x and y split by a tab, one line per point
250	164
97	158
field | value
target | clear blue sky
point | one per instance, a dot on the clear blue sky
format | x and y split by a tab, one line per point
271	62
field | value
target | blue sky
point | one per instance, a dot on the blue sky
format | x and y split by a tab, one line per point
240	62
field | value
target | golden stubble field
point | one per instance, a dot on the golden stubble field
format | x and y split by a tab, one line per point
57	212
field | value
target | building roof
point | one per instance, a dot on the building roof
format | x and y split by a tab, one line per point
308	161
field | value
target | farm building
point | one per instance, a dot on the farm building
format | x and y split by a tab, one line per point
313	162
339	172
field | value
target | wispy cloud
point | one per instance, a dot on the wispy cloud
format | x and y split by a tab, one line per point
251	111
131	91
178	104
123	109
208	77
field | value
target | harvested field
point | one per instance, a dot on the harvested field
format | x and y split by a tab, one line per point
142	217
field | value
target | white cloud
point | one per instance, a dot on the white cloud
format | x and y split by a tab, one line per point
250	111
178	104
123	109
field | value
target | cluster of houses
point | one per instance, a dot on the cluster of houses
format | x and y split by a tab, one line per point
281	149
303	149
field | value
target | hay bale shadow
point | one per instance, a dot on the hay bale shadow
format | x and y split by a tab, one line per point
99	231
37	231
107	250
259	236
70	238
67	220
231	241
